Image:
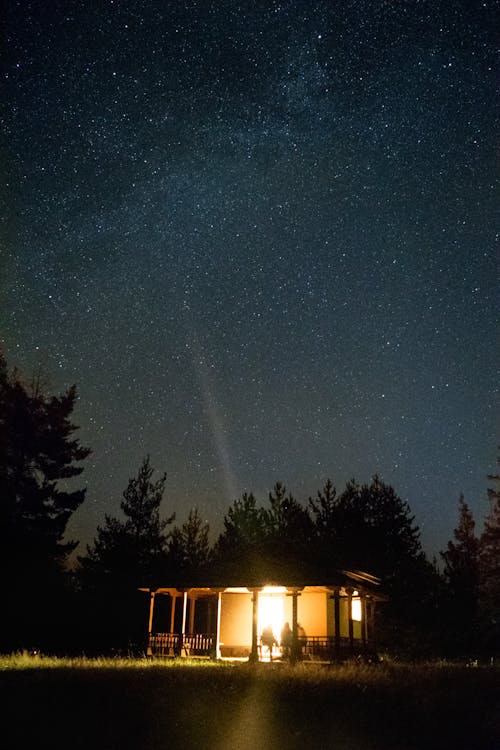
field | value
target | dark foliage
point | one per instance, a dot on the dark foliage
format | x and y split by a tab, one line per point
189	549
489	572
461	560
369	527
38	457
264	543
126	554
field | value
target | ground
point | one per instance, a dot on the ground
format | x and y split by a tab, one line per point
142	704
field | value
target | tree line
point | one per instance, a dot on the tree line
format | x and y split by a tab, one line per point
95	607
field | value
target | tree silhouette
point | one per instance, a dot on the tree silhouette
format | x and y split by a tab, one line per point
265	543
288	533
132	550
38	453
369	527
461	559
330	522
489	571
243	524
189	548
237	552
125	555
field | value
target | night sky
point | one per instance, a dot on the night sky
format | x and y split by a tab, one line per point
260	238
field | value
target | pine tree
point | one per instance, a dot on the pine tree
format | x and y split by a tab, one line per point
370	528
38	455
126	554
288	529
131	551
189	548
489	572
243	524
238	551
288	522
461	559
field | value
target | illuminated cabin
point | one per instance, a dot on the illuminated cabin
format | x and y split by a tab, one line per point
326	621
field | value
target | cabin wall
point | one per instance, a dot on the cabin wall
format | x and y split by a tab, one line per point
330	615
312	613
236	621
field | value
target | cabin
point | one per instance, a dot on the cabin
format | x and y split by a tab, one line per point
266	622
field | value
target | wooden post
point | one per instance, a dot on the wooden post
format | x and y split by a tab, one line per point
217	635
336	615
296	648
191	614
183	627
363	621
150	623
184	611
172	613
254	653
350	622
151	610
370	624
209	616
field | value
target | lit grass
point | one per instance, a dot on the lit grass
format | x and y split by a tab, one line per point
150	703
23	660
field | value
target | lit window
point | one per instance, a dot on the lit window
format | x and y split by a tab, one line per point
356	612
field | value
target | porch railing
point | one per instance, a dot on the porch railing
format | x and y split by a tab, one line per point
325	647
176	644
318	648
321	648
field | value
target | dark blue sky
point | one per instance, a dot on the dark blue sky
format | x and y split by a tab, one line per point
260	237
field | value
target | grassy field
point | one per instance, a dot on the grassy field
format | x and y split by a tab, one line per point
88	704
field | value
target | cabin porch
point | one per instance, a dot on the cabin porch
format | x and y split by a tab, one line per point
319	623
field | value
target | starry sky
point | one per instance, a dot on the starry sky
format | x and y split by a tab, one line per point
259	235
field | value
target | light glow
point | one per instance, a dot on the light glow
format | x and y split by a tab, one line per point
270	612
274	590
356	612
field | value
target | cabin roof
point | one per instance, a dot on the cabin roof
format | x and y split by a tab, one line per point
344	580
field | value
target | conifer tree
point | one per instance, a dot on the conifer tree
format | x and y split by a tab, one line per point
38	455
238	551
131	551
127	553
287	522
461	559
489	571
189	548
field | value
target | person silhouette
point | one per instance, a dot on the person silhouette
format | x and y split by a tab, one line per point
301	640
268	639
286	639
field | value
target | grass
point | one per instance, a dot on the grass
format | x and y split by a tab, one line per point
143	703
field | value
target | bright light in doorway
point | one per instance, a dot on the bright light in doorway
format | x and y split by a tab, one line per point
271	606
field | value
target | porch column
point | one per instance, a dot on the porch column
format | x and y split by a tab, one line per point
184	611
296	649
364	635
151	610
370	623
209	617
350	622
191	614
254	653
172	613
217	634
150	622
336	616
183	627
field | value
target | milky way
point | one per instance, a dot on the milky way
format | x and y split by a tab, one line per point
260	238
